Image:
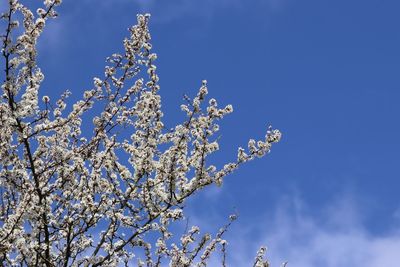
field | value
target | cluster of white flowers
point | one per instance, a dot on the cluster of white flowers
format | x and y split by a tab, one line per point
70	198
259	261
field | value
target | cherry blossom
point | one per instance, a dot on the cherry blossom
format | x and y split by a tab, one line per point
99	198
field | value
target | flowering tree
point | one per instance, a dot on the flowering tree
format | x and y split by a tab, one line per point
103	197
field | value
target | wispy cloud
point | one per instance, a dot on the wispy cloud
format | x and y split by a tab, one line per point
162	12
336	238
165	11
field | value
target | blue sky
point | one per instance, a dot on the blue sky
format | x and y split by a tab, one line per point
326	73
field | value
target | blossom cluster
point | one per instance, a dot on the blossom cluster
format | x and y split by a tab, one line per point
76	198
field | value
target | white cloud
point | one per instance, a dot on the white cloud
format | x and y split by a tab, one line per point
334	238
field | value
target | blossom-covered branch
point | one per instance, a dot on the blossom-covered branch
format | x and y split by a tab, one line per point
106	194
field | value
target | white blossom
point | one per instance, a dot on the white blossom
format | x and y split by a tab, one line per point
46	99
78	197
